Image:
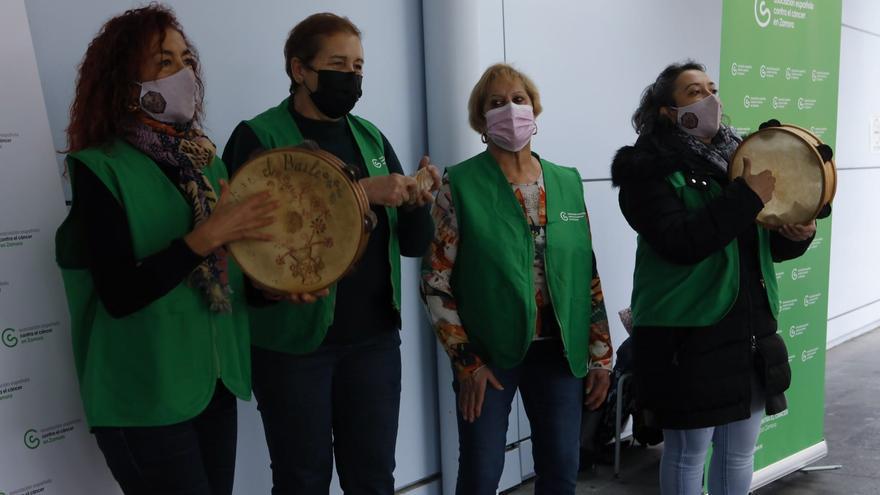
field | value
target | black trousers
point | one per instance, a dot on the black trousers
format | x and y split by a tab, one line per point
340	400
196	457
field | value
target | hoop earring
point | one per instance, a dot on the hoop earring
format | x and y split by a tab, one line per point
484	138
536	129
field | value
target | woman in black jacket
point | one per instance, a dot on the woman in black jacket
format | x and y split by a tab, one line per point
708	359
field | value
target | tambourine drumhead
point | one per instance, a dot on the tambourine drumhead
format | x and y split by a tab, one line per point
319	229
804	182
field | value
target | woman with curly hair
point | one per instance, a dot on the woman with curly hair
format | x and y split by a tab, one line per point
160	336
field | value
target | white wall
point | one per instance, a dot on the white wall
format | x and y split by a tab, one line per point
854	295
591	61
241	48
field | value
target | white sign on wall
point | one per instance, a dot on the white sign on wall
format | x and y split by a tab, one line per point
45	445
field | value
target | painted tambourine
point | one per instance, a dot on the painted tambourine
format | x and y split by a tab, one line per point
806	177
322	225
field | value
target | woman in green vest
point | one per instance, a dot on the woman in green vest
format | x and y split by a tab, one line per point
159	326
708	360
512	289
327	375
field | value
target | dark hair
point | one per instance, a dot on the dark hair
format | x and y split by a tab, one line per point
647	118
103	99
304	40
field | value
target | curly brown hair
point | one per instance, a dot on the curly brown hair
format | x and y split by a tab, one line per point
106	90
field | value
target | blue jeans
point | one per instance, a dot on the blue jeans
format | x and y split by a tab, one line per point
341	400
195	457
553	400
733	451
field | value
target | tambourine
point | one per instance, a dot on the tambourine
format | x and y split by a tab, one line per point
321	228
806	177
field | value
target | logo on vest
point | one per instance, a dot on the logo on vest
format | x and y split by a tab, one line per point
567	216
379	162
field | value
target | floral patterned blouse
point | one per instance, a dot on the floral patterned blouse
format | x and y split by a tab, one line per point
436	286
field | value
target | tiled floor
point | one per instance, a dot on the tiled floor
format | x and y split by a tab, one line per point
852	428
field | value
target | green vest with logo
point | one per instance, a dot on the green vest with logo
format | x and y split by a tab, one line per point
666	294
493	278
159	365
299	329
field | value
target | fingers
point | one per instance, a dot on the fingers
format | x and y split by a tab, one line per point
466	399
438	181
595	398
478	396
494	382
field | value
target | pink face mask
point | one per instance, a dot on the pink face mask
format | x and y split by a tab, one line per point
511	127
701	119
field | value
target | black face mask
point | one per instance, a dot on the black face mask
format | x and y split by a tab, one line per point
337	92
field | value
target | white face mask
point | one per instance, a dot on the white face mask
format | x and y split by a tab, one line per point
171	99
701	119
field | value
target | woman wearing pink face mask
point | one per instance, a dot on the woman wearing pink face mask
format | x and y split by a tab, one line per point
512	289
708	360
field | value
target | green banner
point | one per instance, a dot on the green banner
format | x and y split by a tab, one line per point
780	59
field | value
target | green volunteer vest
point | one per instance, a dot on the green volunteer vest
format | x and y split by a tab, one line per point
493	279
299	329
159	365
666	294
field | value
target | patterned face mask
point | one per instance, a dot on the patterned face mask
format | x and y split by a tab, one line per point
171	99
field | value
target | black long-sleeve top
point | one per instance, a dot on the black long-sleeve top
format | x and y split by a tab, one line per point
364	300
123	283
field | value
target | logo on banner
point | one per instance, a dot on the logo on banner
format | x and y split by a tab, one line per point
32	334
31	439
762	13
30	489
800	273
9	389
797	330
34	439
809	354
739	69
811	299
752	101
8	337
787	304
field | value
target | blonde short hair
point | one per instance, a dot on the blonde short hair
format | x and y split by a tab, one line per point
480	93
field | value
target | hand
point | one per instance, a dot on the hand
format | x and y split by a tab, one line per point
472	390
763	184
597	383
301	298
232	221
798	233
390	190
426	197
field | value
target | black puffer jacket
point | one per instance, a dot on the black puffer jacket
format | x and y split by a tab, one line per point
694	377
